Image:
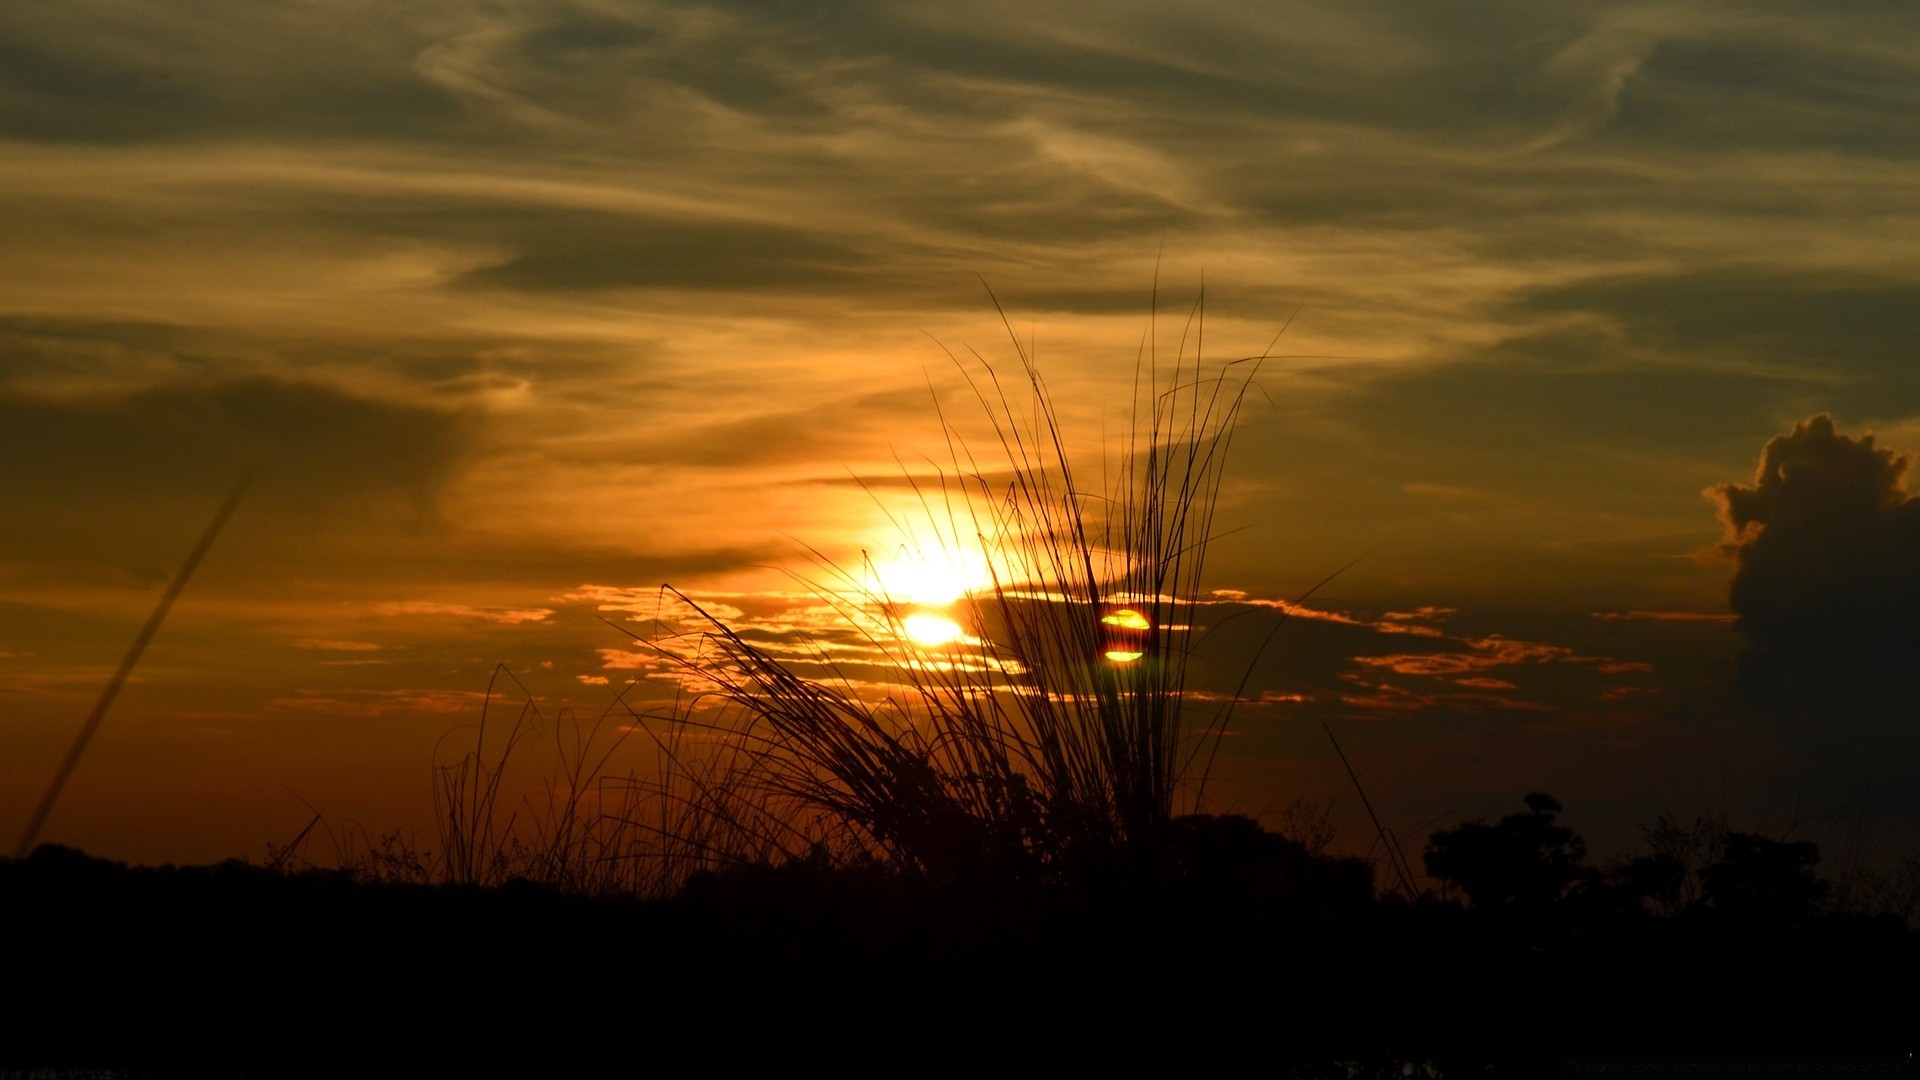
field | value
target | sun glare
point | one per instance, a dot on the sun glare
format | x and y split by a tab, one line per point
1126	634
931	631
935	578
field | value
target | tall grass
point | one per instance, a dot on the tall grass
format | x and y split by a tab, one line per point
1022	752
1019	753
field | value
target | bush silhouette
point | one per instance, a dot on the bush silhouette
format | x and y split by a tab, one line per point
1656	881
1760	878
1232	856
1526	861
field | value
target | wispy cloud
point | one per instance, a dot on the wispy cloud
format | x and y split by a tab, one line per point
1666	616
376	703
507	616
506	298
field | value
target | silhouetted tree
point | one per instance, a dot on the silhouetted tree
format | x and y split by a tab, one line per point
1657	881
1525	861
1228	855
1761	878
1693	846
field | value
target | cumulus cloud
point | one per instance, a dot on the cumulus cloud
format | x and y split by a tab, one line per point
1826	544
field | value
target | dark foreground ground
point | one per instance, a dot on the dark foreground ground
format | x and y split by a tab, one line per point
1248	956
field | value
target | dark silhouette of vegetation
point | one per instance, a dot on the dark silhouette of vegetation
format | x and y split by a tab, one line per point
127	663
1525	862
994	861
1238	941
1765	879
1052	741
1030	752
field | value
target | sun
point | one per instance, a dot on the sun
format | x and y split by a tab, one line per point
921	583
930	630
931	578
1126	634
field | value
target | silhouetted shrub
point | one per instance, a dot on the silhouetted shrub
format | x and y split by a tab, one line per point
1227	855
1761	878
1525	861
1656	882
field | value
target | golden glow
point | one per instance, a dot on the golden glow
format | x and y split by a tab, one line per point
1126	635
930	576
931	631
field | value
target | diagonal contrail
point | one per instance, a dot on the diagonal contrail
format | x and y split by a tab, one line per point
126	668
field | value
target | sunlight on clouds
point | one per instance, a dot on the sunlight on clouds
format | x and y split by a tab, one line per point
508	616
930	630
507	299
937	577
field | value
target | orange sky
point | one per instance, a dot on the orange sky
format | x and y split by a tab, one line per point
523	310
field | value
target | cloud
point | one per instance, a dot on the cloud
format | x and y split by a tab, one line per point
1664	616
821	432
506	297
338	646
120	465
576	250
504	616
312	445
1352	662
341	702
1811	323
1826	546
106	71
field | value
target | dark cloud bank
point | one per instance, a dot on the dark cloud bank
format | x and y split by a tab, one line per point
320	439
1826	545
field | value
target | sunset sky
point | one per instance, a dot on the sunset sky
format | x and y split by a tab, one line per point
520	310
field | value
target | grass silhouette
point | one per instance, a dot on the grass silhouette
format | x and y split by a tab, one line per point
875	840
1054	740
138	648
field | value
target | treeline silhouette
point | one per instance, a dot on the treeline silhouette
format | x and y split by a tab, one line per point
1220	940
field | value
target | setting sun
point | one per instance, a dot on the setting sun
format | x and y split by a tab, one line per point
909	519
927	629
1126	635
933	577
